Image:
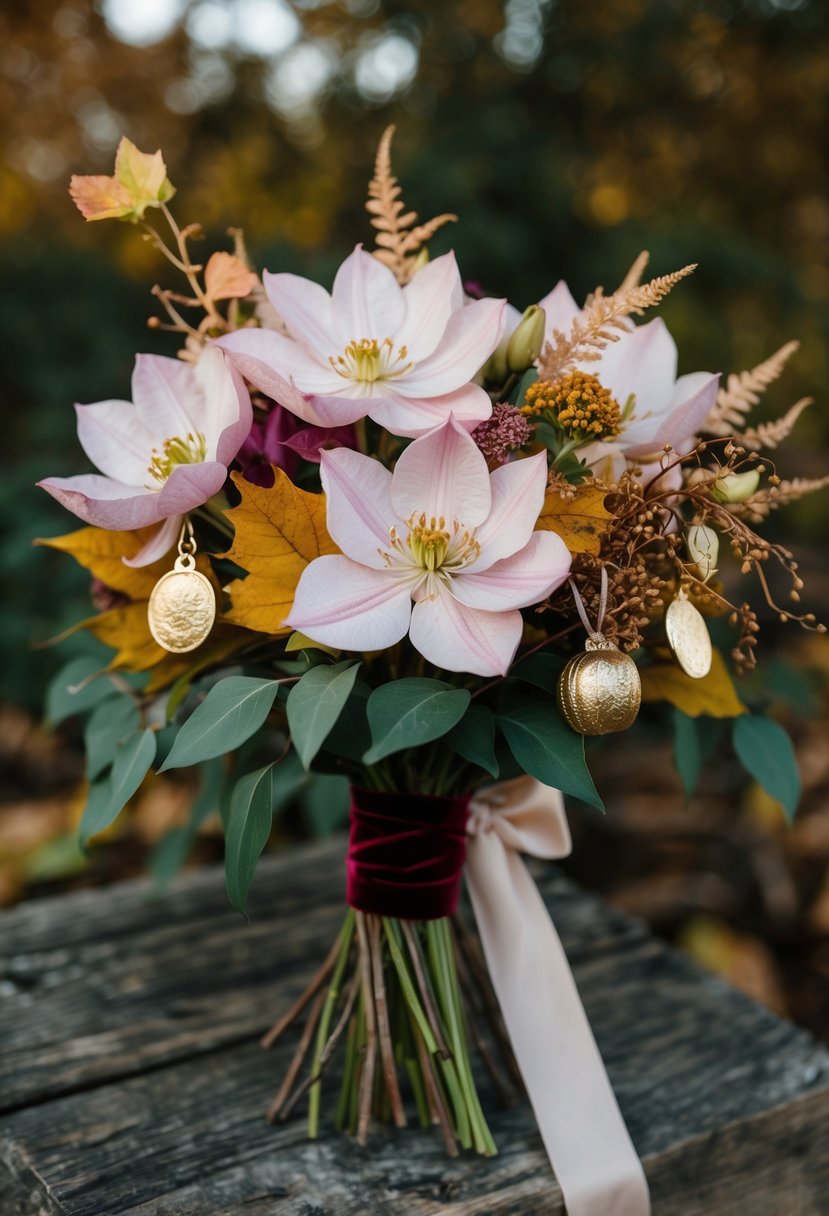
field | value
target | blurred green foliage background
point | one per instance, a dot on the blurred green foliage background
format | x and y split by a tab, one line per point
566	135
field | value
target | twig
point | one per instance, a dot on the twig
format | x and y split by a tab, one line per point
437	1106
328	1050
386	1047
367	1075
299	1004
474	1000
296	1062
425	989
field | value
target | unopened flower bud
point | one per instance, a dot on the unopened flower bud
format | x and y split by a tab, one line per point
703	547
735	487
421	260
495	370
527	339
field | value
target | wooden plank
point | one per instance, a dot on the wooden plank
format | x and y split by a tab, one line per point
107	984
151	1098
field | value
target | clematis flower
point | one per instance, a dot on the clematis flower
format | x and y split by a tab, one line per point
639	369
440	549
162	456
403	356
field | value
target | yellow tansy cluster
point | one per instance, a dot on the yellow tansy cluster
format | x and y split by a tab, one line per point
578	403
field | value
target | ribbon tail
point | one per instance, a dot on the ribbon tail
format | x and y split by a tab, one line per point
580	1123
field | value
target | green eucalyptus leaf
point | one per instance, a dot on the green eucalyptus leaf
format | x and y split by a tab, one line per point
474	738
542	669
109	795
766	752
248	829
232	711
78	687
407	713
315	704
546	748
108	724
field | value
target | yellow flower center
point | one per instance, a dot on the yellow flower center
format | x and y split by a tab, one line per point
578	403
192	449
368	361
437	550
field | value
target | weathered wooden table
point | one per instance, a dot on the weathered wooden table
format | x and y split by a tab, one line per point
131	1080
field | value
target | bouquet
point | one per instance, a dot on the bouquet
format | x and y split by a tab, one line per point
406	538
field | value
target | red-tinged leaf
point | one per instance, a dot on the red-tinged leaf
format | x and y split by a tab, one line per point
100	198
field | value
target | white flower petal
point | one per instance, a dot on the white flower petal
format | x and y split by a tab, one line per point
470	337
458	638
225	414
518	490
367	300
305	307
343	604
518	581
114	437
642	363
358	504
412	417
560	308
158	544
443	474
431	297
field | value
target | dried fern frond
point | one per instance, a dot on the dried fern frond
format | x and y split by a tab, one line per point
768	499
603	320
399	237
771	434
634	276
742	392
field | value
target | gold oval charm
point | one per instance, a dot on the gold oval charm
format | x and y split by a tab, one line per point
600	692
688	637
182	608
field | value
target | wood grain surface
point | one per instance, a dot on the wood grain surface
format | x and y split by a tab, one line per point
131	1080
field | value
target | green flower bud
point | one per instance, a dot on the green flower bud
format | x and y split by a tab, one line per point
525	344
735	487
703	547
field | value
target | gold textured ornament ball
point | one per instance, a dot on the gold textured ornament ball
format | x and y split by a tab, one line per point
600	691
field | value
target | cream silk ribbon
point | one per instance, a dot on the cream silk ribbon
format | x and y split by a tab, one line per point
583	1131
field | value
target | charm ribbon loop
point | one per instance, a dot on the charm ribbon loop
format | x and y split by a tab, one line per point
580	1123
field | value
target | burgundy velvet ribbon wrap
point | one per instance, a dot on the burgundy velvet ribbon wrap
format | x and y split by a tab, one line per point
406	853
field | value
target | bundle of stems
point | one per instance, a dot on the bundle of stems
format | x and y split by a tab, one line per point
403	997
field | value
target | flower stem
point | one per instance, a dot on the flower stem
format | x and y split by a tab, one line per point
325	1021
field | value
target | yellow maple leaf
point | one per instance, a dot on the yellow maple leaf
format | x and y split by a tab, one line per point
100	552
713	695
279	530
140	181
579	521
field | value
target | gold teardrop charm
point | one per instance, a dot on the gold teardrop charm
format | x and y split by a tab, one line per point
600	692
182	606
688	636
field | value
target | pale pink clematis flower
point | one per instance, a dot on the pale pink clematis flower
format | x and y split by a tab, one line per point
640	371
439	549
403	356
162	456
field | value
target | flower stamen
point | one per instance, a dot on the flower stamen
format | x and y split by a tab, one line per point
192	449
368	361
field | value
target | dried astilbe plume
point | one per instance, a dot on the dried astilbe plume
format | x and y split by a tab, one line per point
777	494
603	320
742	391
399	237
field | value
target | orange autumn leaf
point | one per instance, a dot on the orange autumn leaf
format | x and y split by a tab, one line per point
279	530
714	695
140	181
126	631
579	521
226	277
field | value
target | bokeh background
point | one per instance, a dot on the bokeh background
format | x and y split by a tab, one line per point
567	136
